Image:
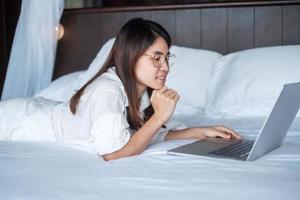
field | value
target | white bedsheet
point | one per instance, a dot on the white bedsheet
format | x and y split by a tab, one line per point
55	171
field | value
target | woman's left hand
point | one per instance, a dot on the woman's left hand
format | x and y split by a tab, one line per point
216	131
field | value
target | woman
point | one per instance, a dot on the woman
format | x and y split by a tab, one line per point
126	105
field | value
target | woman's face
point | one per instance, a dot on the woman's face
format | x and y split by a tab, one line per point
152	69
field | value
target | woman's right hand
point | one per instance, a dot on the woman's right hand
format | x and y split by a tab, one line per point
164	102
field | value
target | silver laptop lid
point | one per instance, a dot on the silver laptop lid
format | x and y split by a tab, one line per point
278	122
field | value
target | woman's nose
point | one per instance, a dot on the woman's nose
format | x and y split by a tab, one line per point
165	66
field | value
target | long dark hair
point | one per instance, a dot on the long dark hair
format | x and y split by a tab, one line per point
132	41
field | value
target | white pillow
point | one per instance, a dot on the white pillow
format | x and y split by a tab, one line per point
190	74
247	83
96	64
62	88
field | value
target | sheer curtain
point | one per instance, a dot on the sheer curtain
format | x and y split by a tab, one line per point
32	56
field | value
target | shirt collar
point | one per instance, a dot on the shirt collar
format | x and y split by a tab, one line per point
144	102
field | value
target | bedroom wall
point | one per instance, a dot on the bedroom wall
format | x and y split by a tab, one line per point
222	29
3	54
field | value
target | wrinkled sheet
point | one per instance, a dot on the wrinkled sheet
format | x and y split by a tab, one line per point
44	170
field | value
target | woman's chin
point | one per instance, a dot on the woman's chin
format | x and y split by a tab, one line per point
157	84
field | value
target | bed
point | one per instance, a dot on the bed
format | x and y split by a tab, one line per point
236	57
56	171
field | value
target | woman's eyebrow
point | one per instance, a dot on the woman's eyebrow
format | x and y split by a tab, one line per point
160	53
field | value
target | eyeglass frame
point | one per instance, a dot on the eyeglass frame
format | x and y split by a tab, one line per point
166	59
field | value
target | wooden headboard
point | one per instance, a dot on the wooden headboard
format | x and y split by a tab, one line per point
221	27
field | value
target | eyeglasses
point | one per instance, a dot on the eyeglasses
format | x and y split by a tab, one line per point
160	59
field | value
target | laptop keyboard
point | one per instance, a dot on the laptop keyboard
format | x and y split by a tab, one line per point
237	150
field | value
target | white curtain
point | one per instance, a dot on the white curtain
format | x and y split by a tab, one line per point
32	56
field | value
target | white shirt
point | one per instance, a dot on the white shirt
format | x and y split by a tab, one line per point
101	118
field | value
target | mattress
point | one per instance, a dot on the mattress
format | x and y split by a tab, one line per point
48	170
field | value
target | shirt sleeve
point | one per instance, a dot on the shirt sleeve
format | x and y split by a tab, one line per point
109	133
109	127
162	132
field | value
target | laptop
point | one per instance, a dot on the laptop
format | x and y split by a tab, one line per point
269	138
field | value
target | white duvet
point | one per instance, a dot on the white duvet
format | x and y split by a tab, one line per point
42	170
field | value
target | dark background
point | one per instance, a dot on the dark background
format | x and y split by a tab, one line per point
117	3
9	14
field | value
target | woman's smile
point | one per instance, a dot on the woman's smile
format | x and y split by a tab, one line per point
162	78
